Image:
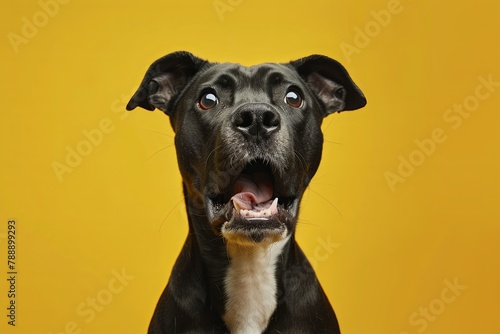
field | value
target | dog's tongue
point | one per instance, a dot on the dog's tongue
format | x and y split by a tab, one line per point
253	192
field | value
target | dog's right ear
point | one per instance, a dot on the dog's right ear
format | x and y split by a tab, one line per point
164	80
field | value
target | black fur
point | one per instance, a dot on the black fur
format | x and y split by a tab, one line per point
214	147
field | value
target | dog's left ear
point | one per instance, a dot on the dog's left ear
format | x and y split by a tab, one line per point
164	80
331	83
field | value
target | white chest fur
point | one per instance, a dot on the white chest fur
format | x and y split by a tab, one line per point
251	286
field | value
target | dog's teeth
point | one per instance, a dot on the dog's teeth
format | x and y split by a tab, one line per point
258	211
274	206
236	206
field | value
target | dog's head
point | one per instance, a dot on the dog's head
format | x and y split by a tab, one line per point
248	139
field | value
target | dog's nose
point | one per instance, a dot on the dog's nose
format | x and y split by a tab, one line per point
256	119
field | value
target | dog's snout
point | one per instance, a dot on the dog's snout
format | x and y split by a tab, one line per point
256	119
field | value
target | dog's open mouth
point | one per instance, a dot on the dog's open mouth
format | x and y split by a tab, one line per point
253	192
251	206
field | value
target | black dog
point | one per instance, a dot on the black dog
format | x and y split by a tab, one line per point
248	142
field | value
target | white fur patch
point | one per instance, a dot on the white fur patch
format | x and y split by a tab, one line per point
251	286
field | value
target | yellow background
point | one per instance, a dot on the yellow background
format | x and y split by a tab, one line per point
381	253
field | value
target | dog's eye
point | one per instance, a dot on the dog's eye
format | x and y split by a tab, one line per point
208	101
294	99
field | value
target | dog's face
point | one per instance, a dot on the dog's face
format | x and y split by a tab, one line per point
248	139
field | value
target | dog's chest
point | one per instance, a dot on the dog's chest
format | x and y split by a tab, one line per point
251	286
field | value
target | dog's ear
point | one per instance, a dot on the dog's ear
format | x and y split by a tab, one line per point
331	83
164	80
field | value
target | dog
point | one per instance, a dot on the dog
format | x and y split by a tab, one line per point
248	142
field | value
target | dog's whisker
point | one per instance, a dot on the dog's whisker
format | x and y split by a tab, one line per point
160	150
209	154
301	159
302	221
331	121
333	142
329	202
158	132
168	214
231	162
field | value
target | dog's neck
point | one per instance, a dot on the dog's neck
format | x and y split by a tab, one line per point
242	280
251	286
